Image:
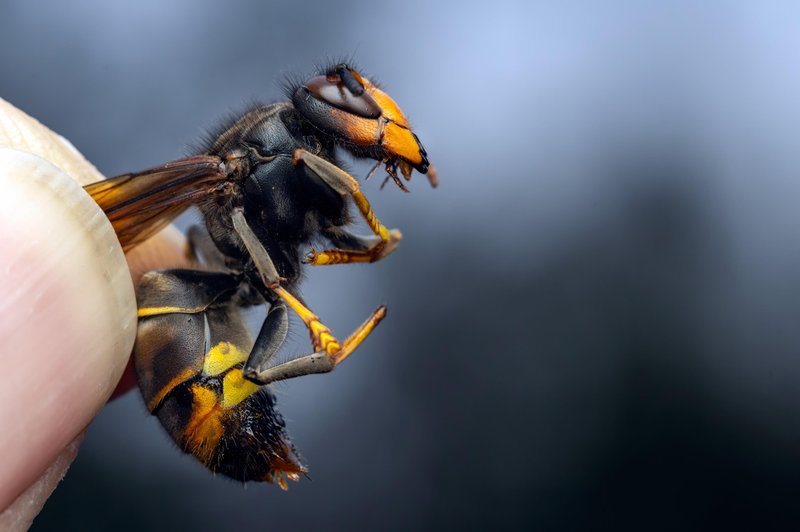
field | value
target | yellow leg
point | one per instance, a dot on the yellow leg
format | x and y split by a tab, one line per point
329	351
321	337
369	215
344	183
360	334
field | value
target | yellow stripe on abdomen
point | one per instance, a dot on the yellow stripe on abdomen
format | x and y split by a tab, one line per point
157	311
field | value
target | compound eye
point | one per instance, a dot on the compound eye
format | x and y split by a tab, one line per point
344	90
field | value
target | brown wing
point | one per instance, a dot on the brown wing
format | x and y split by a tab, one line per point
142	203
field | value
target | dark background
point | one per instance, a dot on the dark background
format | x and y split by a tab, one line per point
593	321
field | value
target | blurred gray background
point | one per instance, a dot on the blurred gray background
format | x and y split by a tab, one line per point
593	321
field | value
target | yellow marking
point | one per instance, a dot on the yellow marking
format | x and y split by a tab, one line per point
182	377
235	388
222	357
204	430
155	311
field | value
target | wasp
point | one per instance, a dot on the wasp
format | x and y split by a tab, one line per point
268	185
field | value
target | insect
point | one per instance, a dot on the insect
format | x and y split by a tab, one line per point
268	185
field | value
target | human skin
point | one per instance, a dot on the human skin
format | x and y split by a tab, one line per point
67	310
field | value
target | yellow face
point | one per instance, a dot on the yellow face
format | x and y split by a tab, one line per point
368	122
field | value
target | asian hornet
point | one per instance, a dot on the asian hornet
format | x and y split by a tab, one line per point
267	184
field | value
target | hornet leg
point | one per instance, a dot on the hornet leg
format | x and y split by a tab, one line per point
321	361
344	239
345	184
329	351
270	338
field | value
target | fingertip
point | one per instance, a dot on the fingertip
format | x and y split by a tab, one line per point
67	333
20	514
67	317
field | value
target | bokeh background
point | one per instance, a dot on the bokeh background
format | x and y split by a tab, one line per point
593	321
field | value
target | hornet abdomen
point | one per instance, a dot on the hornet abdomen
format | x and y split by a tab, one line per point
190	350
